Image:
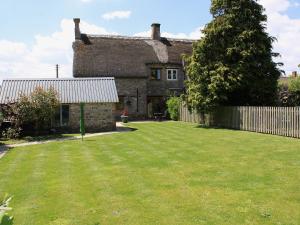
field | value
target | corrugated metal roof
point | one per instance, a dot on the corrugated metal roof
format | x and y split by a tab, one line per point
87	90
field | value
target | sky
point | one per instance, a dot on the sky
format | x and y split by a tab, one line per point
36	35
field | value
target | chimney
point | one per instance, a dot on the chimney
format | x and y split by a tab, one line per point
294	74
77	29
155	35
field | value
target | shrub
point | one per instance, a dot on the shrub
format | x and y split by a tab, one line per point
38	108
12	133
294	85
1	118
4	218
289	92
33	112
173	105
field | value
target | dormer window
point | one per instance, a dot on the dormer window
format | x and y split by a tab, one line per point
155	74
172	74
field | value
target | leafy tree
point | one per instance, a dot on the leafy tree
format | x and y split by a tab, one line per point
232	64
289	92
36	110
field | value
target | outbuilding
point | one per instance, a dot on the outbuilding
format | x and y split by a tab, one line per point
99	95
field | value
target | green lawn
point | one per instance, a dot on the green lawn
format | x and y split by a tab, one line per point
162	173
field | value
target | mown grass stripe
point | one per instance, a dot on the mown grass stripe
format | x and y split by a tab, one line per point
163	173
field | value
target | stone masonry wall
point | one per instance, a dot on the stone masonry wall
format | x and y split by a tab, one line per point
130	62
163	86
98	117
127	88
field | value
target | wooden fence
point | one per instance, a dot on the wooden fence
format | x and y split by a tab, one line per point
284	121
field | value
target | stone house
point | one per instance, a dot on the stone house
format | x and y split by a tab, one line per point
98	94
146	70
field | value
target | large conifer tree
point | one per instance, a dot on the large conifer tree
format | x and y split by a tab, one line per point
232	64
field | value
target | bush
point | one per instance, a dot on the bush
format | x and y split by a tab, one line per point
32	113
4	218
289	92
173	105
294	85
11	133
37	109
1	118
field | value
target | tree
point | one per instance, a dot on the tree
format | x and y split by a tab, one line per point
36	110
289	92
232	64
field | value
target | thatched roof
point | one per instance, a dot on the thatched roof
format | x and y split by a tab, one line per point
122	56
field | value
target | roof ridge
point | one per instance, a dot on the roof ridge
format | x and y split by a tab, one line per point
137	37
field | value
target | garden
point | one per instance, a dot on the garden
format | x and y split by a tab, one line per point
171	173
161	173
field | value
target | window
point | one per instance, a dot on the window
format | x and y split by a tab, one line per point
61	117
64	115
155	74
172	74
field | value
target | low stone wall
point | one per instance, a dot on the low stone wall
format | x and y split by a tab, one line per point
98	117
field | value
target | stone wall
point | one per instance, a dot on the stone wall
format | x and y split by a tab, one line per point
98	117
163	87
129	89
130	61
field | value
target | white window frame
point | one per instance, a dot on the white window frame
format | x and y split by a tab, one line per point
172	71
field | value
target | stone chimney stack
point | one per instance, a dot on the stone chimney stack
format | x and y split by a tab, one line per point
294	74
77	29
155	34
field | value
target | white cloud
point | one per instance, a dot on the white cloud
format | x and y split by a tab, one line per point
116	15
20	60
12	50
196	34
286	30
276	5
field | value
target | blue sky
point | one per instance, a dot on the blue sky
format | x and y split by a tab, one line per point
35	34
44	17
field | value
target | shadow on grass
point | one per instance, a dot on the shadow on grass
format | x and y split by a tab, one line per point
28	139
202	126
124	129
